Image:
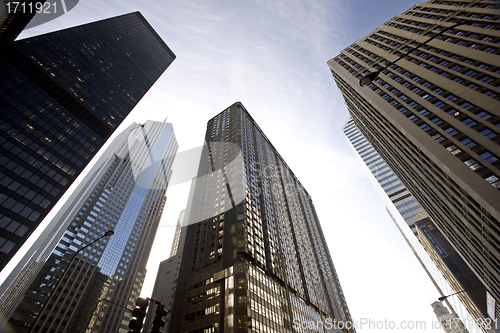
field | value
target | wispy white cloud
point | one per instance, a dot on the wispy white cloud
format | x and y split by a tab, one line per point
271	56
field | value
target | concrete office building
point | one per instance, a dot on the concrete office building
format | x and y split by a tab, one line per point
449	323
447	271
254	258
433	117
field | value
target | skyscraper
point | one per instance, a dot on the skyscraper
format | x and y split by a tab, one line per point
254	257
449	323
447	271
168	273
124	192
62	95
433	116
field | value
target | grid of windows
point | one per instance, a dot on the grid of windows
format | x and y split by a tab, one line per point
112	268
433	116
425	97
268	250
62	95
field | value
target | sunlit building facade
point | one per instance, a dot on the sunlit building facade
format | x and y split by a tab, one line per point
124	192
62	95
447	271
433	117
255	258
449	323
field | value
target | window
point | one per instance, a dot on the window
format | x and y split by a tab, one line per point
403	110
469	122
472	163
437	121
466	106
413	104
487	79
425	127
489	157
468	143
439	104
470	73
484	115
424	112
488	133
490	93
451	97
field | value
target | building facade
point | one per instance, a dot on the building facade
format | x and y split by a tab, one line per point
447	271
254	258
449	322
168	273
62	95
433	116
125	192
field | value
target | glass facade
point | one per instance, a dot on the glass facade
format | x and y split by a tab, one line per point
433	117
126	194
259	262
62	95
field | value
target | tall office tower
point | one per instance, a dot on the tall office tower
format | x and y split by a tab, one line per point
179	235
255	258
433	116
124	192
62	95
168	273
449	323
447	271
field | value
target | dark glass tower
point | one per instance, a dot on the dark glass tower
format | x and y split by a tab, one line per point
61	96
434	118
254	257
124	192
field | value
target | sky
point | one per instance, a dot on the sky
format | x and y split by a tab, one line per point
271	56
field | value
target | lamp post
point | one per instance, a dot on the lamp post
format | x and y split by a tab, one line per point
368	78
442	298
106	234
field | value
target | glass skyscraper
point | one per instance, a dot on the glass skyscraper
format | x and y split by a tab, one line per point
62	95
124	192
433	116
254	257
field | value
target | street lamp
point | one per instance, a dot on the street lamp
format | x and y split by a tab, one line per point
442	298
368	78
106	234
